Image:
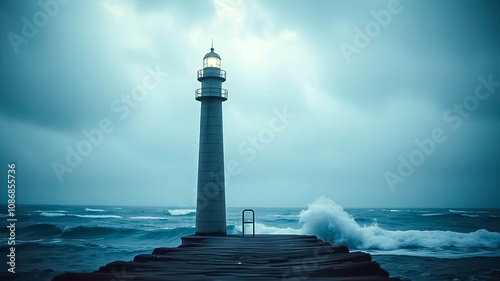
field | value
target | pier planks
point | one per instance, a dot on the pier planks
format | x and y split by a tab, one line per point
264	257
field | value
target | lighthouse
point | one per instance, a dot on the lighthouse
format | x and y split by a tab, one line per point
211	196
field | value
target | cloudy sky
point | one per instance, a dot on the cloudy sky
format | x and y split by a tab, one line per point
370	103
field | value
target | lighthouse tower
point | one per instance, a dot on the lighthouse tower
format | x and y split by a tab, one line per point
211	196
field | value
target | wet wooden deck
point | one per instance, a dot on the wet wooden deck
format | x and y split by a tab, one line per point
264	257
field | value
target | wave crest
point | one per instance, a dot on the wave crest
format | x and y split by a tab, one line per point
98	216
147	218
93	210
181	212
52	214
330	222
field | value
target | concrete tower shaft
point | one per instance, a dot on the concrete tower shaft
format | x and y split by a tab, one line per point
211	199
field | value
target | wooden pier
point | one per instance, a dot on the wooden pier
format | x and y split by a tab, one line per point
264	257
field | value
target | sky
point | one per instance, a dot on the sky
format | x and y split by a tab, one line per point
369	103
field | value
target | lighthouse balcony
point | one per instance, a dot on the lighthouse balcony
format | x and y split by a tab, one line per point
211	72
210	92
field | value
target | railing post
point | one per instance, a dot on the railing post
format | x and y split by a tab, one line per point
243	222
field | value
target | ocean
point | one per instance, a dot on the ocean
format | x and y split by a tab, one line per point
417	244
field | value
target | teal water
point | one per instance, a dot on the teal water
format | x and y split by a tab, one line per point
420	244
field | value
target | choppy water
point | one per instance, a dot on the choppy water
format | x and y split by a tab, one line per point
421	244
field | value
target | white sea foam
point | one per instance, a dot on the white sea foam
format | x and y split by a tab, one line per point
98	216
93	210
181	212
330	222
263	229
469	215
285	216
56	214
148	218
468	211
433	214
52	214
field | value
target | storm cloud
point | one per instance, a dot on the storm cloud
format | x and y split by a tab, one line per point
389	103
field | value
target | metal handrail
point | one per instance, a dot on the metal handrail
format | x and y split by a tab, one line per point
222	73
211	92
243	222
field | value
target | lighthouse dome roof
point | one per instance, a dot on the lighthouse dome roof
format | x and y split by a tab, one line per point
212	54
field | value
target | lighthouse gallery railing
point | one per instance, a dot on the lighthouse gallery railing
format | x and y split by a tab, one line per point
210	92
212	73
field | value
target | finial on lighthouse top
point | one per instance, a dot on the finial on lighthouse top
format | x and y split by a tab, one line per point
211	59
